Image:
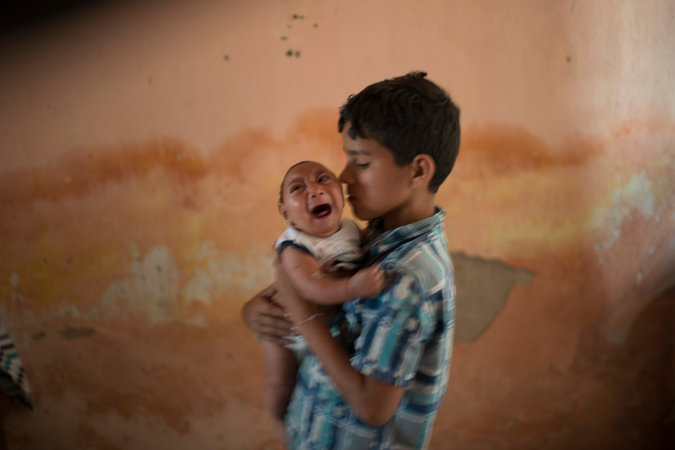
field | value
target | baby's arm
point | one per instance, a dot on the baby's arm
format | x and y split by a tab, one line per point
301	268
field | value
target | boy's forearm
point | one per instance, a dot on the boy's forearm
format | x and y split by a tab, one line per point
373	401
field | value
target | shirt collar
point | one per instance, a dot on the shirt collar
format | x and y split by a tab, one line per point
378	242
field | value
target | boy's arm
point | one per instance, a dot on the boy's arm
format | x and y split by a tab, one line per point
373	401
266	318
302	269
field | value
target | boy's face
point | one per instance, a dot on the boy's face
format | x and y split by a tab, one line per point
376	186
312	199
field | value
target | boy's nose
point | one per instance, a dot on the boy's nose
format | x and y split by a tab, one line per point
345	175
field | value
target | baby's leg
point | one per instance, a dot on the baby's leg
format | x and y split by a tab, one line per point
280	368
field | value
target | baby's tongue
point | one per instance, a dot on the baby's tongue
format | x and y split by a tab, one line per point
321	211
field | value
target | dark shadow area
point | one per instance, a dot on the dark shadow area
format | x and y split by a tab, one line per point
647	362
638	375
17	15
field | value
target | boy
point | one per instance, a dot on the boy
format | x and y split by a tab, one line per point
317	242
378	380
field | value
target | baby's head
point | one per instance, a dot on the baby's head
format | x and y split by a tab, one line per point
311	199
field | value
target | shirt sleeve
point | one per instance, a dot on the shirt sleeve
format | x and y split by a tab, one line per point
395	328
282	245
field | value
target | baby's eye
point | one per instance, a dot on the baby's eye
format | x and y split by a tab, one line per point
362	165
294	187
323	178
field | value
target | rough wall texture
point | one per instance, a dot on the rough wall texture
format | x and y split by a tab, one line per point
142	147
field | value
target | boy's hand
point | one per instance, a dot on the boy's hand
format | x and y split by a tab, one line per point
266	318
367	282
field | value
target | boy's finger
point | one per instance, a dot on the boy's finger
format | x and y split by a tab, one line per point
274	310
275	333
274	339
274	329
267	319
269	293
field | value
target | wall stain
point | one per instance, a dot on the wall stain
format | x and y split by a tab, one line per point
504	150
161	244
80	172
39	336
487	149
83	212
76	332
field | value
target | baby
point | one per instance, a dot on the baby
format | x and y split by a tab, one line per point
317	241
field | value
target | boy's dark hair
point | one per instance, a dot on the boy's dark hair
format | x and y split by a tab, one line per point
409	115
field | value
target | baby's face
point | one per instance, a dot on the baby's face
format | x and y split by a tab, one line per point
312	199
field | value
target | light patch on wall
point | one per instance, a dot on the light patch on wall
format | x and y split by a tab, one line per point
199	287
634	196
151	291
14	282
222	271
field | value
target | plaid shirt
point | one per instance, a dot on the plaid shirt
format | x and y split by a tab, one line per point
402	337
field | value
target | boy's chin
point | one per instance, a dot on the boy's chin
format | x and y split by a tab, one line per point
361	214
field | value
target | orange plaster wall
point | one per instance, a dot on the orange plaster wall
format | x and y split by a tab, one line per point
143	146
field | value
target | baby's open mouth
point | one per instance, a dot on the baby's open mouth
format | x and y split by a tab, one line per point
321	211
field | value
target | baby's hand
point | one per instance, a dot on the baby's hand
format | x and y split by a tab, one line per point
366	282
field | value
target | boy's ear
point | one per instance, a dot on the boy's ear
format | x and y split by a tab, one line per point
423	168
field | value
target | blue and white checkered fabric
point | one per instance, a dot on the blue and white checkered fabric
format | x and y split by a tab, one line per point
13	381
403	337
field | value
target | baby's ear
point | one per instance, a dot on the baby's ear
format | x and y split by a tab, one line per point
282	210
423	168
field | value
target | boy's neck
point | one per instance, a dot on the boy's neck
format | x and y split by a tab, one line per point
415	209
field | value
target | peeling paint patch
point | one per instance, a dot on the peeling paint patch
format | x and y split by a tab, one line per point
639	277
76	332
483	287
636	195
